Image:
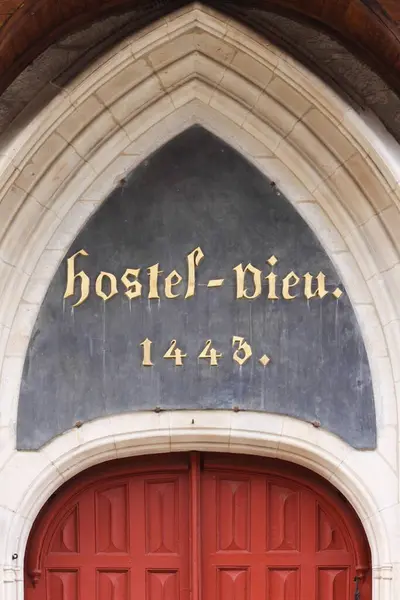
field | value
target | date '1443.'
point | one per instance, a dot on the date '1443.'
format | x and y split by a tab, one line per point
241	353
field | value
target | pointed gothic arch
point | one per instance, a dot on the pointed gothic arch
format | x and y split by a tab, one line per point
339	172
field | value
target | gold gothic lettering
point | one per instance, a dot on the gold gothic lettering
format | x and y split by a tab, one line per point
153	281
241	290
113	286
271	279
133	288
172	280
210	355
71	277
289	281
193	261
320	290
249	282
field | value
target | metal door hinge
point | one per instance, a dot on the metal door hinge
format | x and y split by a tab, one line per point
357	590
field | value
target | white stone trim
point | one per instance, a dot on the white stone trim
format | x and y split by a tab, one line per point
340	172
37	475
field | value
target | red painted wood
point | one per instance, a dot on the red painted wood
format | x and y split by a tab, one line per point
271	530
117	533
209	527
195	525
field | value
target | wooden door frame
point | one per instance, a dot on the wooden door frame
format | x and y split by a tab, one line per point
194	526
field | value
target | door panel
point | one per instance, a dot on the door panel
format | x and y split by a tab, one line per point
161	506
63	585
233	505
128	531
267	537
283	526
112	518
282	582
121	539
112	585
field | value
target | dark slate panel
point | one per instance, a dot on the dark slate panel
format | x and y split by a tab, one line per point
85	362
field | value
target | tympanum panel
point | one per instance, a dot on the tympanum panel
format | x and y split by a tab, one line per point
196	285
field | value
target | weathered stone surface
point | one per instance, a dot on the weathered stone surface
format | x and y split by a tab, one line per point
85	362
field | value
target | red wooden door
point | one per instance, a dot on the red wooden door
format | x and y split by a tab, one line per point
174	528
269	534
118	536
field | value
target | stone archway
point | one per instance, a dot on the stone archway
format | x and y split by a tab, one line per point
341	176
59	168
